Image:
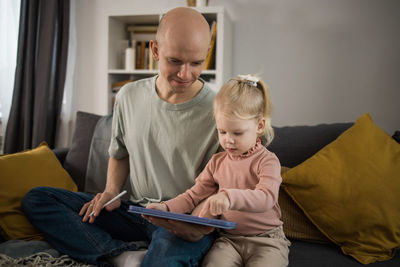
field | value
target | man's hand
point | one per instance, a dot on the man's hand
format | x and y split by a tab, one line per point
187	231
216	205
96	205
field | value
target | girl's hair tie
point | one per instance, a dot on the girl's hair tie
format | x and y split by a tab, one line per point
249	79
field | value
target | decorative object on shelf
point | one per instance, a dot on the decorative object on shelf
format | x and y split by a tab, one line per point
130	57
191	2
201	3
197	3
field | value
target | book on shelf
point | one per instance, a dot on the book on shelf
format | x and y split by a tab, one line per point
143	28
140	36
117	85
140	54
144	57
142	32
210	59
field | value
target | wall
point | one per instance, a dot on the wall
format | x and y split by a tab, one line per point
325	61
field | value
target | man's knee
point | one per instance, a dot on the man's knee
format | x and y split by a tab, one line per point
166	249
34	196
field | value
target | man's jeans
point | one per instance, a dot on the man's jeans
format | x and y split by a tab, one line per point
55	212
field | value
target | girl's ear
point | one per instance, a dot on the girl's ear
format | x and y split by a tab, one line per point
155	49
260	126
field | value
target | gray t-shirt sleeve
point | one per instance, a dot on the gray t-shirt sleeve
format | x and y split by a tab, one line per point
117	148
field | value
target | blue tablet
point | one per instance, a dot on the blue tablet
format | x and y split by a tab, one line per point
183	217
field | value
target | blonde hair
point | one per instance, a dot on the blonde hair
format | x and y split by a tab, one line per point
246	99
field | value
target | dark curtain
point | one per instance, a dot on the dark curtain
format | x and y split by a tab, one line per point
40	74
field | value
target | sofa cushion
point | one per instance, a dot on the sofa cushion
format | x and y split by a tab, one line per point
296	225
20	172
96	173
350	191
306	254
77	157
396	136
294	144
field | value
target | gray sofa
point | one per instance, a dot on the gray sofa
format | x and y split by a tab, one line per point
86	162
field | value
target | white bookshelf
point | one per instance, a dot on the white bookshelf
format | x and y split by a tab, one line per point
118	37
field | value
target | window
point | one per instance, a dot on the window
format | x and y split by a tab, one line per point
9	25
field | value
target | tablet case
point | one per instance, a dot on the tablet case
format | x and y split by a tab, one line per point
183	217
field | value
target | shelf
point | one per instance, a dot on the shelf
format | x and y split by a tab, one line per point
123	71
150	72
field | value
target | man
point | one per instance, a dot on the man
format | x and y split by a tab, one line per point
163	135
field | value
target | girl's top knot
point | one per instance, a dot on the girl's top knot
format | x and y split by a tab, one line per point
249	79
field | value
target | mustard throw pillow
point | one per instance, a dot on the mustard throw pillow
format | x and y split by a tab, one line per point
350	191
19	173
295	224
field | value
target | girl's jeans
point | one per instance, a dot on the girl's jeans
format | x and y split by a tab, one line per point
55	212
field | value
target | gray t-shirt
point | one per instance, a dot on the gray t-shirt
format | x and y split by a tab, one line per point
168	144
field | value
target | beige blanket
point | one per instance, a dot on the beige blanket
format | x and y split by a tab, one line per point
40	259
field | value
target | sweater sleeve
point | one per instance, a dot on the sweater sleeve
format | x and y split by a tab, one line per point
265	194
204	186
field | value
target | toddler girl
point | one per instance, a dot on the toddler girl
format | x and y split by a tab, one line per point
242	183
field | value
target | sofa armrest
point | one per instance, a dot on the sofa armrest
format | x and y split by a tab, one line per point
61	153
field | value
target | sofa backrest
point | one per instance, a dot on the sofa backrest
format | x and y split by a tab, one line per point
76	159
294	144
87	158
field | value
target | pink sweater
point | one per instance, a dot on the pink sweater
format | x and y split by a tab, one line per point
252	183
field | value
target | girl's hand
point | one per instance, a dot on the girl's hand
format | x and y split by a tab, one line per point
216	205
157	206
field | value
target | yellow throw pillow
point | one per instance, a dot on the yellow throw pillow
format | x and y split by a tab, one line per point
19	173
350	190
295	224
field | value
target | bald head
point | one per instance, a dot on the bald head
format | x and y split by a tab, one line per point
183	22
181	46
